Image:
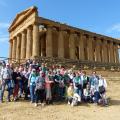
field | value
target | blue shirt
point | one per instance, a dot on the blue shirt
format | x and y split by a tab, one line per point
32	79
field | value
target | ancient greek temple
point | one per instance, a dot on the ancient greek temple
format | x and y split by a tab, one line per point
33	36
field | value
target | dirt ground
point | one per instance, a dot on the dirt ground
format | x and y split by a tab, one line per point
26	111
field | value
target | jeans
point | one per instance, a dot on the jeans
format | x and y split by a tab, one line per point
8	83
0	93
79	92
96	97
61	92
16	89
32	93
70	99
40	95
20	86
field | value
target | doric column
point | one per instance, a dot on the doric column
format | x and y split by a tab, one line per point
42	46
72	45
10	48
35	52
81	47
116	55
49	47
90	48
105	51
23	45
61	44
97	50
18	50
111	52
29	42
14	48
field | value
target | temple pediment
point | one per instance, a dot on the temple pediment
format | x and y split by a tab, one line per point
21	16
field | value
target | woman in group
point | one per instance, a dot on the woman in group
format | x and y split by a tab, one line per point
102	90
40	88
32	84
16	78
48	85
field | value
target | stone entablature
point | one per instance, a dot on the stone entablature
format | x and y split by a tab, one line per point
34	36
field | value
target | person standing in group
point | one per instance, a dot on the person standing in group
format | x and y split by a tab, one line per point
94	88
32	84
102	90
6	80
0	88
40	89
48	85
77	82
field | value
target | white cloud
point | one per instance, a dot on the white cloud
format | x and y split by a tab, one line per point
114	28
4	25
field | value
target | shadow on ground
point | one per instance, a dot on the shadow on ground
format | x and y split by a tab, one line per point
114	102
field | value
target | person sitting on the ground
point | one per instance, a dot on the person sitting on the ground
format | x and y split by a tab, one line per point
70	93
76	100
87	94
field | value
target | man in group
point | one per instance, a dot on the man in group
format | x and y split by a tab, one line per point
6	76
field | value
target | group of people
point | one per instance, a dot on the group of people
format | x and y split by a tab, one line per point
42	84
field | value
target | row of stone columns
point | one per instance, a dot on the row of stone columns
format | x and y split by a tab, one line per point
104	51
26	44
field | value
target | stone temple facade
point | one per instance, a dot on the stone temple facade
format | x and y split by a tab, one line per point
33	36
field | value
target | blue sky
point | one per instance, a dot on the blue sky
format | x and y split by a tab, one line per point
100	16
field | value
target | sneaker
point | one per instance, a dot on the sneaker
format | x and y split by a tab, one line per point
42	104
96	104
72	104
68	103
36	104
8	100
31	102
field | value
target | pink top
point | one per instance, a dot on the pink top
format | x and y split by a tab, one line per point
48	83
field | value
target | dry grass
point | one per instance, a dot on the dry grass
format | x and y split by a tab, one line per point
26	111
